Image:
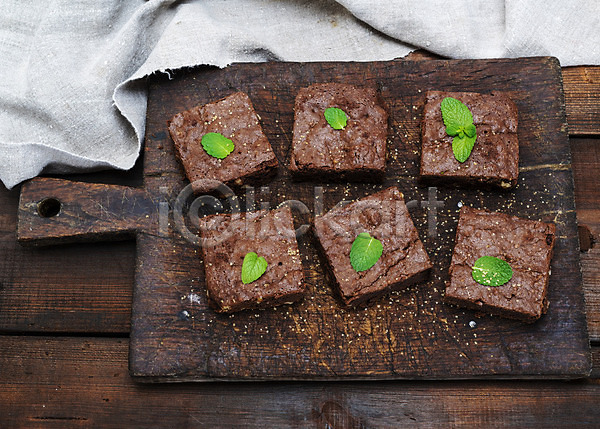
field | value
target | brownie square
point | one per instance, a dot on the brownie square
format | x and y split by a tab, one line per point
235	118
495	157
357	152
225	241
526	245
385	217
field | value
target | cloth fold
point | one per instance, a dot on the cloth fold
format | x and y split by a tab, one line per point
72	75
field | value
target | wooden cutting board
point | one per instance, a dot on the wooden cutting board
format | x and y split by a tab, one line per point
411	334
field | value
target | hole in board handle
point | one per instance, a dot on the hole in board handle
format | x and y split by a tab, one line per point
49	207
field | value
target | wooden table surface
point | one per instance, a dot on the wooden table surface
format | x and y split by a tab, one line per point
65	324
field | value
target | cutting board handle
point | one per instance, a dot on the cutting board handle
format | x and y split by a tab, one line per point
60	211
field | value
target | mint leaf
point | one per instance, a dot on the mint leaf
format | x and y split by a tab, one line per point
336	118
470	130
365	252
458	120
491	271
462	147
455	113
453	129
217	145
253	267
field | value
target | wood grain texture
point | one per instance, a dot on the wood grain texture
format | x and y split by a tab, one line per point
582	98
59	211
176	336
595	375
84	382
586	171
71	288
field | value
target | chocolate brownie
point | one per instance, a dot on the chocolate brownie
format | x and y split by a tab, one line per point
357	152
233	117
385	217
495	156
525	244
225	241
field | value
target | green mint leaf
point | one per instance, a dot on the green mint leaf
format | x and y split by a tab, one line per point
336	118
470	130
491	271
253	267
217	145
365	252
458	120
462	147
455	114
453	129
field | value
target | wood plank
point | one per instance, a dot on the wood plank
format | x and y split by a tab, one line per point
410	334
79	211
586	171
595	363
83	382
582	98
71	288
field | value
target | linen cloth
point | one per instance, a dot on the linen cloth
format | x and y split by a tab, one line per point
73	73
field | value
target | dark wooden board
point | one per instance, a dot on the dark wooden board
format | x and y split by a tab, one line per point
410	334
